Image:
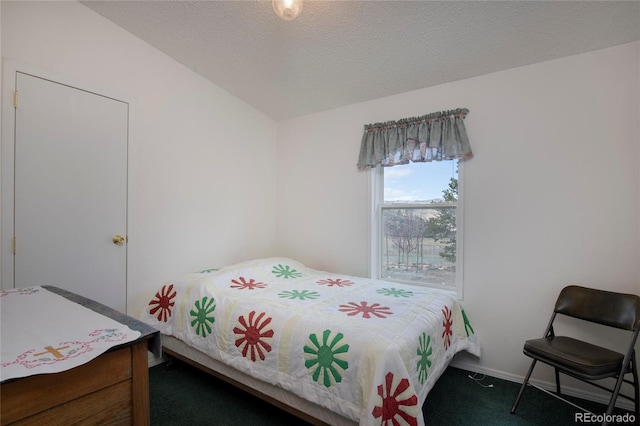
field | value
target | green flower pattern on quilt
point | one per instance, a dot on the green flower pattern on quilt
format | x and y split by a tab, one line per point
467	324
326	357
424	354
285	272
207	271
202	316
297	294
395	292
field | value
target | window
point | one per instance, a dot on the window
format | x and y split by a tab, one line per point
416	224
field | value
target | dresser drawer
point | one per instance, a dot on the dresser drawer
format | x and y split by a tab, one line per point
110	406
32	395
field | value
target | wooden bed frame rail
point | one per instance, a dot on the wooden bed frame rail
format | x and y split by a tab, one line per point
281	405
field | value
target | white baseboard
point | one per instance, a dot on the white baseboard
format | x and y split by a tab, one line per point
550	386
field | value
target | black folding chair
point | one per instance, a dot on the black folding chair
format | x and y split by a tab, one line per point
583	360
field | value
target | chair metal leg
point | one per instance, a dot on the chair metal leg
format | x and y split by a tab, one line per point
616	391
524	385
557	381
636	386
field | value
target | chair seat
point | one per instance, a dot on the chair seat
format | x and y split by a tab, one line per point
590	361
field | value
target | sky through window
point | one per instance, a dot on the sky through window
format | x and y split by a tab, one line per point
415	182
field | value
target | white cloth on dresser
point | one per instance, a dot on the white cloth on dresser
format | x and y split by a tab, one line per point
42	332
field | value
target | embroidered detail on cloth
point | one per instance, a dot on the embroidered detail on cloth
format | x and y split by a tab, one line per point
63	351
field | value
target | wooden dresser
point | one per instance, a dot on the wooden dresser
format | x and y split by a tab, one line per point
112	389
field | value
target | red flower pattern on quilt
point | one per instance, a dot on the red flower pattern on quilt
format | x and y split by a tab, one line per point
447	323
254	335
163	303
397	402
242	283
338	282
353	309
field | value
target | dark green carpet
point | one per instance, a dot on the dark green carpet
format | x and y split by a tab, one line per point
182	395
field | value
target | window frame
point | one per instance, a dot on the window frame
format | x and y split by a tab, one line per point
376	195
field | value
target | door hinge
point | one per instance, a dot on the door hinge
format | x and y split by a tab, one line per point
14	244
15	99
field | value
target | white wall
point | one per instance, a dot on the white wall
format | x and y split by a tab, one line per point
202	162
551	197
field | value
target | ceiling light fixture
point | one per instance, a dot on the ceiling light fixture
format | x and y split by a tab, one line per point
287	9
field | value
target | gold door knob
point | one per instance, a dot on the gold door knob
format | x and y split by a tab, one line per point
118	240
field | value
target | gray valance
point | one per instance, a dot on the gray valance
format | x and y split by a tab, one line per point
432	137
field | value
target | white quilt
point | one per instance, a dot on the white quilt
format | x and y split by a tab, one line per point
367	350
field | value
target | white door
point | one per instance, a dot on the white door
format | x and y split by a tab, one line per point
70	190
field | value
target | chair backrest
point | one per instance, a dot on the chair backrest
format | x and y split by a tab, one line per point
618	310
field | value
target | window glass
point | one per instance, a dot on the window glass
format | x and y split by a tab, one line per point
417	224
419	183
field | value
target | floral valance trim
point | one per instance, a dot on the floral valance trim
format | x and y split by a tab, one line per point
433	137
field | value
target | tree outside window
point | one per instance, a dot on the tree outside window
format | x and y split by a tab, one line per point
418	236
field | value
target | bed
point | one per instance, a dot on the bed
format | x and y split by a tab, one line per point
329	348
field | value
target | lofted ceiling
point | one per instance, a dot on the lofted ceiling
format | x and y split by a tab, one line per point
338	53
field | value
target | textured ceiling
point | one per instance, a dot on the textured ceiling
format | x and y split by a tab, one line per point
342	52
